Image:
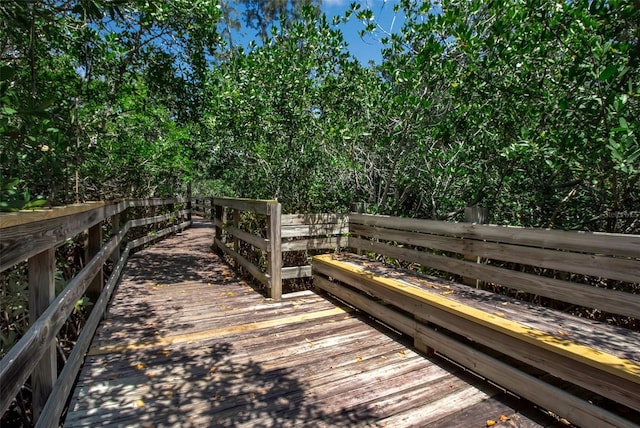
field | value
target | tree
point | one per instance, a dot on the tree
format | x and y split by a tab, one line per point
530	107
262	14
77	74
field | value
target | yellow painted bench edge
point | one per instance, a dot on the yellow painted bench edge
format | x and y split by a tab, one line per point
620	367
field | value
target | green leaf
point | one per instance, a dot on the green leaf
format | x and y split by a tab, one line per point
607	73
8	110
35	204
6	73
623	123
10	184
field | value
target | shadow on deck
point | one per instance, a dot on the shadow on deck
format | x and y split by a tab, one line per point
186	342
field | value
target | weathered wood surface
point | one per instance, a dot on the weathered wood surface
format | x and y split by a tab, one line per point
302	230
42	291
601	358
512	378
311	225
263	207
586	264
293	272
274	261
588	242
187	343
322	218
247	237
25	234
605	299
31	216
316	244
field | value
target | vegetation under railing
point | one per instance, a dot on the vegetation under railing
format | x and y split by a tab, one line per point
250	239
33	236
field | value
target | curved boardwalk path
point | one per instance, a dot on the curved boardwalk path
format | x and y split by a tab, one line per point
188	343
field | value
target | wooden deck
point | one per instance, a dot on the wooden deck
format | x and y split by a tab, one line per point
188	343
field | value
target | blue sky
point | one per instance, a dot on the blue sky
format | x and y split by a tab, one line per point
369	47
365	49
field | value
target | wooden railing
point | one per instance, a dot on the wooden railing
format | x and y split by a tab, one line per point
33	236
506	251
283	233
269	243
304	232
502	337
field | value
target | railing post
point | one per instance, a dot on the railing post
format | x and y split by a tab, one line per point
213	209
115	229
217	219
358	208
479	215
224	219
274	232
41	293
236	241
188	207
151	212
94	243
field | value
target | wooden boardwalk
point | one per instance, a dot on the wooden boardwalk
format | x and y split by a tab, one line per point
188	343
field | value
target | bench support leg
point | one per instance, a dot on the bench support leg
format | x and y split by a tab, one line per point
419	344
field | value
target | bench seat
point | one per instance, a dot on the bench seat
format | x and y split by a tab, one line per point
598	357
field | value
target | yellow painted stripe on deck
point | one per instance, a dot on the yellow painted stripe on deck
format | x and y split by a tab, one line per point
620	367
215	332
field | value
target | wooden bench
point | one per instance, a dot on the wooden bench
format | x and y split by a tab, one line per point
583	370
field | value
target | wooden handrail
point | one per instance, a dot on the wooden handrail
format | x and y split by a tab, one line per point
272	276
32	235
26	234
599	255
608	243
325	232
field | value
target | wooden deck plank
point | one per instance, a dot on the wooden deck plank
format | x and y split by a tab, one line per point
188	343
617	340
555	341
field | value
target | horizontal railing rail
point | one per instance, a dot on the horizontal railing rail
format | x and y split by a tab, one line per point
311	232
288	232
564	255
33	236
221	209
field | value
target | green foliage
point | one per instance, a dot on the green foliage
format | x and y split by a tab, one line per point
268	116
11	199
14	309
529	108
86	80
